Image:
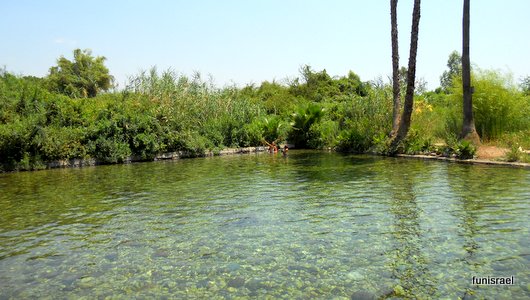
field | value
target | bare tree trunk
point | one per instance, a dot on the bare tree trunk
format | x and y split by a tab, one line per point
404	124
395	68
468	129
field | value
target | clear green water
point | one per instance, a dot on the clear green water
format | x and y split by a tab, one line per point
313	225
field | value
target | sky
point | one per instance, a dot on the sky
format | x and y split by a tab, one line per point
246	42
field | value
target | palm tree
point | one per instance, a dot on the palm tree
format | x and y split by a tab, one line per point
395	67
404	123
468	129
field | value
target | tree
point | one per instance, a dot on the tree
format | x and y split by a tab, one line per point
320	86
85	77
468	127
404	123
395	67
454	63
525	85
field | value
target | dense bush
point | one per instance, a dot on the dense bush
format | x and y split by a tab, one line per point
364	119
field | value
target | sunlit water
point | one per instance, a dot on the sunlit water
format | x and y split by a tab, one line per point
312	225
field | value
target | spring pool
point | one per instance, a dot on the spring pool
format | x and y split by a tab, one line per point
311	225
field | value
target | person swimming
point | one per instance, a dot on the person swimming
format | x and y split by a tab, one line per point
285	150
272	146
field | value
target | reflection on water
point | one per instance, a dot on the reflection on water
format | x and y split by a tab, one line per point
312	225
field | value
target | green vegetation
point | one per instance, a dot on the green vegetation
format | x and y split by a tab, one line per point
165	111
85	77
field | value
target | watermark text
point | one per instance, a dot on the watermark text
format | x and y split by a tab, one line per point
490	280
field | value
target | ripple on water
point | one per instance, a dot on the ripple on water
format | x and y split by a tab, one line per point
315	225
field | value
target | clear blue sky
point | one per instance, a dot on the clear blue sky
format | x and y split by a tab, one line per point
243	41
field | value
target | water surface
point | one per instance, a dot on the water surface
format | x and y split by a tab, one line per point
312	225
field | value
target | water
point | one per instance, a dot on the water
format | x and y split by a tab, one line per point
312	225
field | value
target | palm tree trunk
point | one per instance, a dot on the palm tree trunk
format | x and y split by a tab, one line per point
468	129
395	67
404	124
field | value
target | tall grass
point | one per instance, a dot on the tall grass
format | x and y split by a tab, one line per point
498	106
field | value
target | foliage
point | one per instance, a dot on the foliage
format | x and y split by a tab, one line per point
415	143
302	120
276	98
454	63
364	119
166	111
515	153
497	104
319	86
525	85
521	138
85	76
461	149
323	134
465	149
353	140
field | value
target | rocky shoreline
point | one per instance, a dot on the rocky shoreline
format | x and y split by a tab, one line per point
79	163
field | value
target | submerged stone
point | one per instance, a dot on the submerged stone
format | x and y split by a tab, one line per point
231	267
254	284
160	253
86	282
236	282
202	283
363	295
354	275
111	257
399	291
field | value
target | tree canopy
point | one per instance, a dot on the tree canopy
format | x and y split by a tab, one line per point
454	63
84	77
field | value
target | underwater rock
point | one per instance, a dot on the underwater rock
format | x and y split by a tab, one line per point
160	253
236	282
399	291
354	275
111	257
363	295
202	283
205	251
86	282
231	267
69	280
336	291
308	269
469	297
49	274
254	284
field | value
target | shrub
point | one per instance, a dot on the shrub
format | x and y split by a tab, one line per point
461	149
353	140
465	150
109	149
498	105
323	134
63	143
416	143
305	116
515	153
